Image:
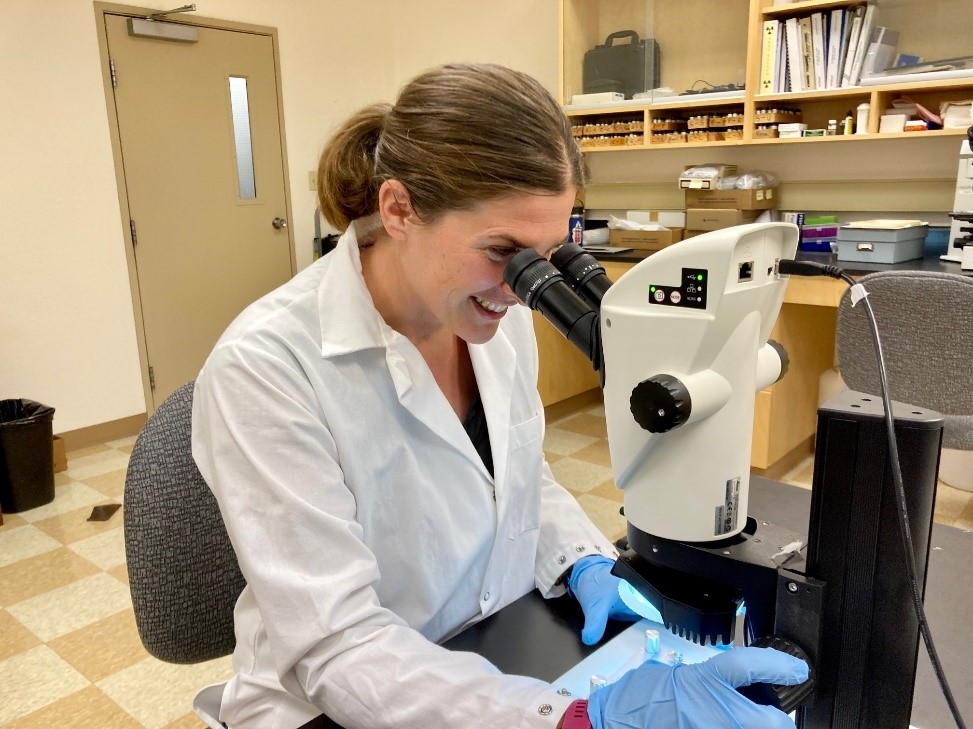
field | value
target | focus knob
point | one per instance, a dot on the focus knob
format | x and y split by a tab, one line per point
660	403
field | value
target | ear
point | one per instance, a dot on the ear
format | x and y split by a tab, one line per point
395	207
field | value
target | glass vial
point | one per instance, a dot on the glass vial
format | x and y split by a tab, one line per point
576	226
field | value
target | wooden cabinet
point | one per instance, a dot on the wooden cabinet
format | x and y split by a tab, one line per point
718	42
785	415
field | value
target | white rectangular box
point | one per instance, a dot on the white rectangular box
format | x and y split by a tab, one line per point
599	98
892	123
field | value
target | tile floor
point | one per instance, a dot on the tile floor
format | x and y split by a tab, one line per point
69	651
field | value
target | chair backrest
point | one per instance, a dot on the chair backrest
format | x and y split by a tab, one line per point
182	570
925	321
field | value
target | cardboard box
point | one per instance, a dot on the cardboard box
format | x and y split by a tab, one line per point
718	218
736	199
644	240
60	457
666	218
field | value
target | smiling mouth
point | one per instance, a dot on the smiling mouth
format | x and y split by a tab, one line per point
490	306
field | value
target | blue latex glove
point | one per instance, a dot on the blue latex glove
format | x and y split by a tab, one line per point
698	696
596	589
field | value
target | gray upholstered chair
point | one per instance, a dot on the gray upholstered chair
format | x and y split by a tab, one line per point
925	320
182	570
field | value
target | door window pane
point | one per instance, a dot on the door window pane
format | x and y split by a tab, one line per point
240	107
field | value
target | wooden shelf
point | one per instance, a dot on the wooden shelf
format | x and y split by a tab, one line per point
846	138
601	110
690	102
825	94
579	17
807	6
822	94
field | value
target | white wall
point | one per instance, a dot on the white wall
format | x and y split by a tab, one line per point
67	332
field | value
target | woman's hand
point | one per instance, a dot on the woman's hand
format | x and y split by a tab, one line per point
596	589
697	696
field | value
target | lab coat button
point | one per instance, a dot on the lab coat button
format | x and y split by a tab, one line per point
579	548
564	692
545	709
562	559
486	596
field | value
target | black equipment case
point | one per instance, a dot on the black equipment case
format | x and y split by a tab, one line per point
627	68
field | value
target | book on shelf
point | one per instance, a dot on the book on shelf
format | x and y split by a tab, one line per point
807	53
835	38
868	25
781	83
795	62
819	49
854	19
768	51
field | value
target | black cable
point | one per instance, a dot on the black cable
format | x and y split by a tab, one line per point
808	268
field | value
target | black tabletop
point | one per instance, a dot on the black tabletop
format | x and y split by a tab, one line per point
542	638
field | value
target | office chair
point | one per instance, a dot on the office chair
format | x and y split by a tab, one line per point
182	571
925	321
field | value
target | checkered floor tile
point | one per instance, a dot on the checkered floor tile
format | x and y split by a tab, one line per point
70	655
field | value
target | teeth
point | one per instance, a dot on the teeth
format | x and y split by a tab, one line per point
491	306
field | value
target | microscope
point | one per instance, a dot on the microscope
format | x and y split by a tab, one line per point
960	247
681	342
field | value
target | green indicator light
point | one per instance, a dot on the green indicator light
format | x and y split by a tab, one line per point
700	277
651	289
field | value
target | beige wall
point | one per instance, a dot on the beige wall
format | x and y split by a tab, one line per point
67	331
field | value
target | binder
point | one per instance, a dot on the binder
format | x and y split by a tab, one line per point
807	53
820	49
781	82
767	53
857	14
835	39
868	24
795	62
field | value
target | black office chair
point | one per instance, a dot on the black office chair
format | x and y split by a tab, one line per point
925	320
182	571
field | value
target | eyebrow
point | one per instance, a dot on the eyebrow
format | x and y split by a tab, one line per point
514	243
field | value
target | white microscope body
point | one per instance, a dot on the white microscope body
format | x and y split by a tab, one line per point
685	335
962	203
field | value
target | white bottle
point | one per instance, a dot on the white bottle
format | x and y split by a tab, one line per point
862	122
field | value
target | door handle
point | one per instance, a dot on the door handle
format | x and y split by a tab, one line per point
279	223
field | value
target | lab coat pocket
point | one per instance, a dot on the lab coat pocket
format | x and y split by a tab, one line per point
523	482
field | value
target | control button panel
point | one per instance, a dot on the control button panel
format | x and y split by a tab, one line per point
689	294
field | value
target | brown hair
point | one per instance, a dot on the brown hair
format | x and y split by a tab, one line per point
457	135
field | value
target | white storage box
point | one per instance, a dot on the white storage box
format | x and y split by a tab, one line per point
878	245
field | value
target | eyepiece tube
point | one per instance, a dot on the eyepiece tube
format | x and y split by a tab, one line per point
542	287
582	272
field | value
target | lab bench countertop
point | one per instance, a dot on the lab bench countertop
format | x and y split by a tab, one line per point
853	268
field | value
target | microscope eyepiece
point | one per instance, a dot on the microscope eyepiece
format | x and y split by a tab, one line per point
541	286
583	273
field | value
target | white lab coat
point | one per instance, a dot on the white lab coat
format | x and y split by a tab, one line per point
364	521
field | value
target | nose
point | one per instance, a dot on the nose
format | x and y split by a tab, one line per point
509	292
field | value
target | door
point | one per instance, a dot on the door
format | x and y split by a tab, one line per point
201	148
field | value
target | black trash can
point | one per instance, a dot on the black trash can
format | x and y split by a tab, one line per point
26	455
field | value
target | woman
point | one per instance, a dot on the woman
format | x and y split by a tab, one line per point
372	429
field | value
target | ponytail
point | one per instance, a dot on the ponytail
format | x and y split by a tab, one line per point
347	186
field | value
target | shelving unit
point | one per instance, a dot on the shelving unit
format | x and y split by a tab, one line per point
694	50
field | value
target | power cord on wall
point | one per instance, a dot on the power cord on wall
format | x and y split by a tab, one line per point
860	296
